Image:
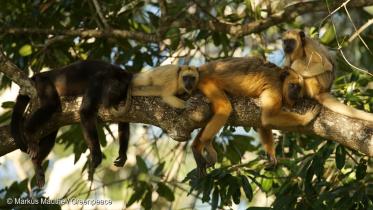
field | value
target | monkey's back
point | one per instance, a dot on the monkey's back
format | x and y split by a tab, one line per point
77	76
242	76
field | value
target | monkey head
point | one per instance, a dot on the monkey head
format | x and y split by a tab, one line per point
292	86
188	78
115	88
293	43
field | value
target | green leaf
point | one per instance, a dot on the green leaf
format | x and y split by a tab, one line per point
234	190
25	50
159	170
267	184
7	104
215	199
139	192
147	201
207	187
340	157
141	164
361	169
247	187
164	191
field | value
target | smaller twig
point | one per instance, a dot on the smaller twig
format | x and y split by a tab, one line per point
100	15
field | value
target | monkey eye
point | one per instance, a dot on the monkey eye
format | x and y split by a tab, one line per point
294	86
189	78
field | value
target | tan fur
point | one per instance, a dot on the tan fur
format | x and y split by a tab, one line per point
314	63
244	77
165	81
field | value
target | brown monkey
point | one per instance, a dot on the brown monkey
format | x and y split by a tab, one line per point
247	77
166	81
312	60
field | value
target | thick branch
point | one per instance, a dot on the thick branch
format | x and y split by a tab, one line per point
85	33
17	75
179	123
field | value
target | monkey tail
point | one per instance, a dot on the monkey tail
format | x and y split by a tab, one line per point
333	104
16	125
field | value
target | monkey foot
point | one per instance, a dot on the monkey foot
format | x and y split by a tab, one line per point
120	161
201	172
311	114
40	180
33	149
96	159
91	172
271	164
209	162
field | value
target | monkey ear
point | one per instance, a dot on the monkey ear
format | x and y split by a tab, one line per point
302	36
283	75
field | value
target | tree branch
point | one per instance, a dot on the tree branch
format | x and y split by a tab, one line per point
355	134
288	14
17	75
85	33
191	22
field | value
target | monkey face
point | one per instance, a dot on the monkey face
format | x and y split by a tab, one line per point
294	91
189	83
292	41
292	86
289	45
188	78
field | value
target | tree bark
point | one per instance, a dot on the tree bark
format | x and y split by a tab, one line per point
355	134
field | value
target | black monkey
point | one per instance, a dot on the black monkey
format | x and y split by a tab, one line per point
99	83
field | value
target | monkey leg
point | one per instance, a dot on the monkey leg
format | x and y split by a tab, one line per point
197	147
49	104
147	91
46	144
88	121
333	104
222	109
271	102
266	138
124	134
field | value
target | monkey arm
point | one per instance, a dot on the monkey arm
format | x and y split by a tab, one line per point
174	101
309	70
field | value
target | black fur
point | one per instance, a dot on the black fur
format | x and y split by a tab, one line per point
99	83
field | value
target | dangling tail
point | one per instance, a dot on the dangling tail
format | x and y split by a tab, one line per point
333	104
16	125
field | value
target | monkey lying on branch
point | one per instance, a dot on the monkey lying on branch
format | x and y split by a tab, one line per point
166	81
314	63
251	77
99	82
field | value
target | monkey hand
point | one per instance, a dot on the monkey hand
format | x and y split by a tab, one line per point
33	149
211	156
120	161
96	158
40	177
311	114
200	161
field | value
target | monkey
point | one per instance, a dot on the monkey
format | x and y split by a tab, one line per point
311	59
99	83
166	81
251	77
